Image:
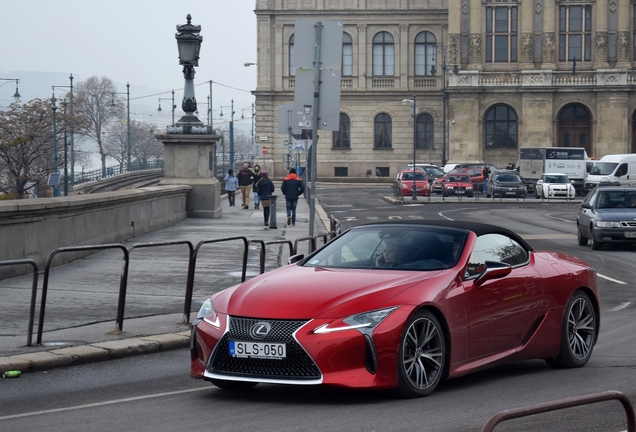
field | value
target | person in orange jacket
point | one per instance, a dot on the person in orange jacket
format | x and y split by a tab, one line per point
292	188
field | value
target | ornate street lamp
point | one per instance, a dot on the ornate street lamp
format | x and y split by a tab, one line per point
444	66
16	96
189	44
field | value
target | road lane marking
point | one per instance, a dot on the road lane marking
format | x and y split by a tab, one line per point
98	404
547	236
610	279
620	306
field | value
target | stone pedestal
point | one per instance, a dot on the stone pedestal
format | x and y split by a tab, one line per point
188	160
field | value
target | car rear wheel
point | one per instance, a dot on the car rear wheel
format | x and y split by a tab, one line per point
580	237
596	245
421	356
578	332
233	385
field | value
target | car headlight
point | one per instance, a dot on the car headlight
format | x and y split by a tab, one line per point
366	320
608	224
469	188
208	314
449	187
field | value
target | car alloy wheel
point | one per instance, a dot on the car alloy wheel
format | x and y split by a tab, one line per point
422	355
578	332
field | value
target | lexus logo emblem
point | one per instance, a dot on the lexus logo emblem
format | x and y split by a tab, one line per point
260	330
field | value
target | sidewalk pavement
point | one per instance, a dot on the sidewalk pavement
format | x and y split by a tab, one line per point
81	303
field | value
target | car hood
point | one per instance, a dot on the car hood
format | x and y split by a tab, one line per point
616	214
296	292
507	184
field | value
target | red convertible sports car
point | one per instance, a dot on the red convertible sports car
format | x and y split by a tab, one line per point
399	306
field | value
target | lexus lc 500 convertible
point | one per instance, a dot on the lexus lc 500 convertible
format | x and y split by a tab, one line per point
399	306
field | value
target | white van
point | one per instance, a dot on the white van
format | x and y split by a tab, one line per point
613	169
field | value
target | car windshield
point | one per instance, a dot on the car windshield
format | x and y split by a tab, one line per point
603	168
403	247
434	171
508	178
409	175
556	179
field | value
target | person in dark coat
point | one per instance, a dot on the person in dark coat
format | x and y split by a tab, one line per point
245	177
257	177
265	188
292	188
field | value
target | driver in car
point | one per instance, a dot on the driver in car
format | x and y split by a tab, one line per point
392	256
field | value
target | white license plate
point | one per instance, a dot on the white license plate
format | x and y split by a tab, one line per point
511	193
630	234
264	350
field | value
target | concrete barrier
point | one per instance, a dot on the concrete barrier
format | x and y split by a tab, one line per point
32	228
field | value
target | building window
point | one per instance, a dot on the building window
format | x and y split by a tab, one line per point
292	68
424	131
342	137
382	131
575	33
501	127
425	50
347	55
383	55
501	34
382	171
341	172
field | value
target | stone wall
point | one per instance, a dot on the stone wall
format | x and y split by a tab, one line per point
32	228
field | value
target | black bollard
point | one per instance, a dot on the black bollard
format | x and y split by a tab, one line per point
272	212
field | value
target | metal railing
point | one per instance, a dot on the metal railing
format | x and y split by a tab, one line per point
98	174
562	404
192	254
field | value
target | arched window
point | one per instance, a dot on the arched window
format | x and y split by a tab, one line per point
347	55
383	54
424	131
575	127
342	137
501	127
382	131
425	50
292	68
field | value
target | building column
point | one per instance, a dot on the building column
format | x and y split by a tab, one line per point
549	39
601	38
526	56
262	58
403	71
624	35
362	55
279	60
475	42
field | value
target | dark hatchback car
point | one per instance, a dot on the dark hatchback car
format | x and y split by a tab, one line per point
506	184
607	215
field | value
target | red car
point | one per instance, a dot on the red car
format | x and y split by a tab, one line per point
400	306
476	176
456	184
404	182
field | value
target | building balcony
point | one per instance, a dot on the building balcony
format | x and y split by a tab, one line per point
543	78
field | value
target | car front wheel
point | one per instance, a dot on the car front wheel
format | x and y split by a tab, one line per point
421	356
596	245
578	332
580	237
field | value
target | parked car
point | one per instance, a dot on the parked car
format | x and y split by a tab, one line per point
555	185
607	215
457	185
404	182
475	175
432	171
506	184
399	306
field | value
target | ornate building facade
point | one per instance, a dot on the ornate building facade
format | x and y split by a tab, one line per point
489	77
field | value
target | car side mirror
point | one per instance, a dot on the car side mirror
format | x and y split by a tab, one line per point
295	258
494	270
586	205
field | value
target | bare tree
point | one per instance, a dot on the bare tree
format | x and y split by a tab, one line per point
26	146
96	100
143	145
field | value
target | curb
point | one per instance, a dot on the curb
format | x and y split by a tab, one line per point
96	352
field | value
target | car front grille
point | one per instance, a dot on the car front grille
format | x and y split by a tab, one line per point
628	224
297	365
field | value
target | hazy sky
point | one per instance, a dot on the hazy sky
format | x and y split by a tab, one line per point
133	41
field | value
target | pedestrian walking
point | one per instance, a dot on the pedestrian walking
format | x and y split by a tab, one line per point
265	188
257	177
231	185
292	188
245	177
